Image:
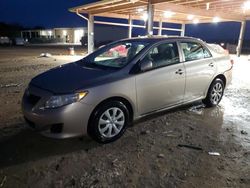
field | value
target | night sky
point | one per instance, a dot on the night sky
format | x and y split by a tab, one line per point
54	13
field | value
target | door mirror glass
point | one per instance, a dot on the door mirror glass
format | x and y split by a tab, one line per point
146	65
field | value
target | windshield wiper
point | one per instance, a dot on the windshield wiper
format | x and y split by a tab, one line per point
97	66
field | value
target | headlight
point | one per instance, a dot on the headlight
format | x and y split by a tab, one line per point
62	100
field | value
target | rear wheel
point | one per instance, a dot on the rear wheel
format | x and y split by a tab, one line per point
109	122
215	93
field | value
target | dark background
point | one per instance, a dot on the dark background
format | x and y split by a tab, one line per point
54	13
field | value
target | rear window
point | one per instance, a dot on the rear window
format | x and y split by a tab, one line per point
217	48
194	51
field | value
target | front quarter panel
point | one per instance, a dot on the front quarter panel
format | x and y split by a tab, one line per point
124	88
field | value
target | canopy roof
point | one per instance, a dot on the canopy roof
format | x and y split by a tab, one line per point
175	11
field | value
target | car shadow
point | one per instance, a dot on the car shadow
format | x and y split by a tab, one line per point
26	145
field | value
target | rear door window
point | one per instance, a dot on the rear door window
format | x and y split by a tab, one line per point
194	51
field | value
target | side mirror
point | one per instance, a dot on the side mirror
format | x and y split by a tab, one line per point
146	65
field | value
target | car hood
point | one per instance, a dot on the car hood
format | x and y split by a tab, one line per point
69	78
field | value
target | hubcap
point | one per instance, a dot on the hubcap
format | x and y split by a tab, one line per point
111	122
216	93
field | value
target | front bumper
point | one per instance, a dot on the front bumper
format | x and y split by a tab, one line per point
63	122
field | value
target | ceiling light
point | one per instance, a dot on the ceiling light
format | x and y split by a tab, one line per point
168	14
216	19
140	10
207	6
246	5
145	16
196	21
190	17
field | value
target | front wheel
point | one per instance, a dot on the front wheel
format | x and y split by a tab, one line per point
215	93
109	122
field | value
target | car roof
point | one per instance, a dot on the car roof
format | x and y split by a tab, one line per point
155	39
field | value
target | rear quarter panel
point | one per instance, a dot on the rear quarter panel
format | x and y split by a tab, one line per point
223	65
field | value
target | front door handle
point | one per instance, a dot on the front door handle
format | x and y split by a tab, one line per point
211	64
179	71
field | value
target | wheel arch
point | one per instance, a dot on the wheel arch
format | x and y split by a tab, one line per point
206	100
115	98
220	76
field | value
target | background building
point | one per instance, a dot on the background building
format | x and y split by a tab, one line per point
56	35
103	35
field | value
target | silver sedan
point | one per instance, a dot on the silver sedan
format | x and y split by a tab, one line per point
106	91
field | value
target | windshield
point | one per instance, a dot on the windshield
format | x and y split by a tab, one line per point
116	55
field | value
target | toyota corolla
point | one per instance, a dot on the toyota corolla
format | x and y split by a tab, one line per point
103	93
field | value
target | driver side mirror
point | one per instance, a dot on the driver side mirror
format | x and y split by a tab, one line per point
146	65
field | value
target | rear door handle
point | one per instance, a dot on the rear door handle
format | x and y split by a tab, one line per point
211	64
179	71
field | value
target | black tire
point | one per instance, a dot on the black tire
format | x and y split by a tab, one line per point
210	101
93	127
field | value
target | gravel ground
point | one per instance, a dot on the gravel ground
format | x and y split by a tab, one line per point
152	152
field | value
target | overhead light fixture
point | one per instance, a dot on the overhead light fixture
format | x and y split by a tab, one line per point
207	6
145	16
140	10
190	17
196	21
216	19
246	5
168	14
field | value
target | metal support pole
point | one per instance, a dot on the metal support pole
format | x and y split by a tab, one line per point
90	34
130	27
160	28
241	37
150	22
183	28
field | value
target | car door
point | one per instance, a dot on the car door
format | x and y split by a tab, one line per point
200	69
164	84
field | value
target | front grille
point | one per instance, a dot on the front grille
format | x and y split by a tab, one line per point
33	99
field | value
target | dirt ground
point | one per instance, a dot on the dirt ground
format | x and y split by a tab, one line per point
148	155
